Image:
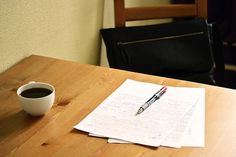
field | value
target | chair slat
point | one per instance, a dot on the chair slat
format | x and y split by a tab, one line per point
123	14
161	11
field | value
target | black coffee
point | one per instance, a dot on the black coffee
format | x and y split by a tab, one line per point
35	92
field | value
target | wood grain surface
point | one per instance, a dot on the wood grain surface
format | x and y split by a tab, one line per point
79	90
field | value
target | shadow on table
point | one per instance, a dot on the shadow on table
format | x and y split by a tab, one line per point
16	123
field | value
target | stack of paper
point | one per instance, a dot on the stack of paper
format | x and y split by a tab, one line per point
174	120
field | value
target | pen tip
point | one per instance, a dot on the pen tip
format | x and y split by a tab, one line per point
139	111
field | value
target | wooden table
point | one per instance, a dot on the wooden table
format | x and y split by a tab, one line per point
79	89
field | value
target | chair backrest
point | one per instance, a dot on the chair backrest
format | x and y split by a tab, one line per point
197	9
178	50
123	14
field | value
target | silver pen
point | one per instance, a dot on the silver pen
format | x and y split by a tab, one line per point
150	101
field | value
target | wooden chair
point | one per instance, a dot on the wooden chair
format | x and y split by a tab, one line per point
123	14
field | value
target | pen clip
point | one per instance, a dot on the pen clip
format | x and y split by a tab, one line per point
161	93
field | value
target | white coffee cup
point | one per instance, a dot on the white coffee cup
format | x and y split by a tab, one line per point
36	105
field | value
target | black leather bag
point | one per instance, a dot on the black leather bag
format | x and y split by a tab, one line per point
179	50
